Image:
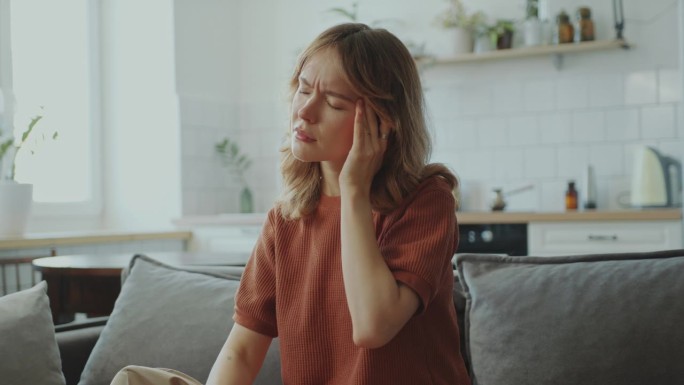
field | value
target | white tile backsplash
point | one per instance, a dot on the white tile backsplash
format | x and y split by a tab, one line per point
539	95
501	123
622	124
508	164
508	97
607	159
587	126
572	93
606	89
572	161
658	122
669	86
492	132
641	88
523	130
555	128
540	162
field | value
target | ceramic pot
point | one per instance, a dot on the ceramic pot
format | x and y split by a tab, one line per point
15	207
463	41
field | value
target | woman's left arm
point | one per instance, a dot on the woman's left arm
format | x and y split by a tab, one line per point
379	305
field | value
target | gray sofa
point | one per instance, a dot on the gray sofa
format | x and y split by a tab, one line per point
592	319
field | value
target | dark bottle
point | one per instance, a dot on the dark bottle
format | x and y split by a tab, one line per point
564	33
585	26
571	197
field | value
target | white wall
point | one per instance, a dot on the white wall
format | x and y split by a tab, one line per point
141	146
497	124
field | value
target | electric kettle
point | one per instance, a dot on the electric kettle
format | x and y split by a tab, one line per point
656	179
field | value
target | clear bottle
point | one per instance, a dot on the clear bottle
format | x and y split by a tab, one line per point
584	30
532	26
571	196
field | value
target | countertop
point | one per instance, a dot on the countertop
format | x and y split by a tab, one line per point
186	224
570	216
36	240
469	217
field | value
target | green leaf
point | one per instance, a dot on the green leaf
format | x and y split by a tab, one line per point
55	135
4	147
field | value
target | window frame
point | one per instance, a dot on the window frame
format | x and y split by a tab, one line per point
94	207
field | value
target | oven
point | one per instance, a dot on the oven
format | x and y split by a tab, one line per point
499	238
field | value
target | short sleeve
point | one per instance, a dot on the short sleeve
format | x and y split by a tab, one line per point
255	298
419	244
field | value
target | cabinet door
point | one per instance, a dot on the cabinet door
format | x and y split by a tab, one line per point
553	238
236	241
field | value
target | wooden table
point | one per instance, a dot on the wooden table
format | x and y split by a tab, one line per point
90	284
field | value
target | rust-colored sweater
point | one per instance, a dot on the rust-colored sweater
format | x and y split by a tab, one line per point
292	288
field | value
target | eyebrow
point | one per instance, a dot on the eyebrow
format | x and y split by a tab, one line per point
328	92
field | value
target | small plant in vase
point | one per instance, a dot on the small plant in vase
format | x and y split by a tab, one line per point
464	24
238	163
16	198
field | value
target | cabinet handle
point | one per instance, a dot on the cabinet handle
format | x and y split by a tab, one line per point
603	237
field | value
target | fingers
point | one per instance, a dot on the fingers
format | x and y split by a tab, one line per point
369	131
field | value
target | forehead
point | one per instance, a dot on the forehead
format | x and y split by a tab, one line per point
325	67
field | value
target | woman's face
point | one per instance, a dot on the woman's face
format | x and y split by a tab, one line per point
323	110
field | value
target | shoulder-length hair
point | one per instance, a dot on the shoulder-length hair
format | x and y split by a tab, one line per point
381	69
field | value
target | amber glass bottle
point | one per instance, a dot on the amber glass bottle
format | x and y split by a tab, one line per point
571	197
564	32
585	26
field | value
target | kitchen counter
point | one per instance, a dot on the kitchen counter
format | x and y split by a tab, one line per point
37	240
489	217
469	217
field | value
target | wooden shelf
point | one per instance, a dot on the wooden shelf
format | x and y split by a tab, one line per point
556	51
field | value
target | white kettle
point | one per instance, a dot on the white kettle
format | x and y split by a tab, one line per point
656	179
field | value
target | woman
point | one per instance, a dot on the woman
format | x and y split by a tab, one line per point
352	270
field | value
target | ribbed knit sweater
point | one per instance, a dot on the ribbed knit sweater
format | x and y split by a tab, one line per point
292	288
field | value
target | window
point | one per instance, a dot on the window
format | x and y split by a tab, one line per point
54	73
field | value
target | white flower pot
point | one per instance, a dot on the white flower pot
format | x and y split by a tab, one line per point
463	41
15	206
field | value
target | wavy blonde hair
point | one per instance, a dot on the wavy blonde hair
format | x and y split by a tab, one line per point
380	68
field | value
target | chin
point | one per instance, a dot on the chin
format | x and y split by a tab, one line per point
300	154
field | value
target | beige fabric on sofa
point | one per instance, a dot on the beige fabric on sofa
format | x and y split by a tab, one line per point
140	375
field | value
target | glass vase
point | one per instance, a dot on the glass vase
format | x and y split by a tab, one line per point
246	201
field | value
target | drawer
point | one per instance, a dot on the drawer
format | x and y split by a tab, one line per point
239	241
552	238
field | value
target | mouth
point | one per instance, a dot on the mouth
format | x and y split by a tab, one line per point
301	136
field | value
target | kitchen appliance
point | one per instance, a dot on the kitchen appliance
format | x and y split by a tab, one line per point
656	179
493	238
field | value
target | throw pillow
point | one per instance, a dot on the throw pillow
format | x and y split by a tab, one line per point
28	351
167	317
596	319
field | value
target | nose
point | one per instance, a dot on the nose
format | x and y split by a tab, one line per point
308	111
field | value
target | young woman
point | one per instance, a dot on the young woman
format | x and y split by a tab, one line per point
352	270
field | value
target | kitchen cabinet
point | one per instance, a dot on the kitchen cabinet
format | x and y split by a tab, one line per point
555	51
238	240
565	238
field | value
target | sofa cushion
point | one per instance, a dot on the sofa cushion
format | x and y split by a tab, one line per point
593	319
28	348
169	317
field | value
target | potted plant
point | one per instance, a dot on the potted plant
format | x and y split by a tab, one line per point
15	198
455	17
504	34
238	163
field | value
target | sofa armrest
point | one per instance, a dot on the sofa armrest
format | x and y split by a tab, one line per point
76	341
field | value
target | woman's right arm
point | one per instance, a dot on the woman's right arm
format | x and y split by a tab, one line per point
240	358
